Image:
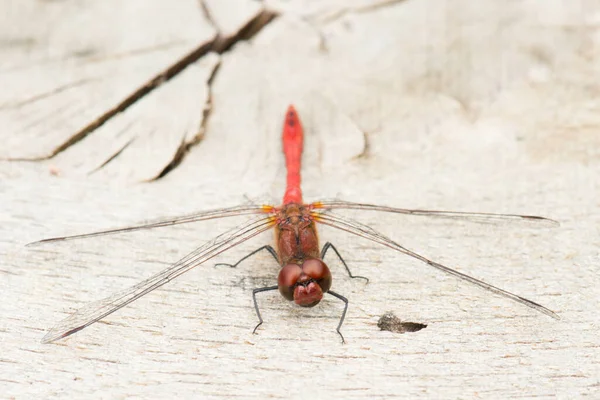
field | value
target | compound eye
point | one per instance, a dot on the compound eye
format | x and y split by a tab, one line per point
288	276
317	270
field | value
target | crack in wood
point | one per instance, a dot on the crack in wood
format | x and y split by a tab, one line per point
208	15
145	89
126	54
46	94
218	44
185	146
323	46
221	45
366	148
112	157
359	9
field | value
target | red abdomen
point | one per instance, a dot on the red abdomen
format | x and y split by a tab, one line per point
292	148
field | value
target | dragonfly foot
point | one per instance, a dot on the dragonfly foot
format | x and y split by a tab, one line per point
226	265
360	277
256	327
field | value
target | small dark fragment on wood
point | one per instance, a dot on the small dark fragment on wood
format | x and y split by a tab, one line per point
389	322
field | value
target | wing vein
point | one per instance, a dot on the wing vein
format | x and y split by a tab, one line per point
166	221
97	310
367	232
467	216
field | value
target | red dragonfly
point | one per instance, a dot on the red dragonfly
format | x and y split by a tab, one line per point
304	277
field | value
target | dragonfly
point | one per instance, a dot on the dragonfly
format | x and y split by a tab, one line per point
304	277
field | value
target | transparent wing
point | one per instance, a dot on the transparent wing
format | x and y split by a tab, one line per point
367	232
168	221
469	216
97	310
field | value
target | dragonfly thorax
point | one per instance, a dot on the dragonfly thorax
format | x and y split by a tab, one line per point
296	234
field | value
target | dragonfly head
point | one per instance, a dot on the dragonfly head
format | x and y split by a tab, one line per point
306	283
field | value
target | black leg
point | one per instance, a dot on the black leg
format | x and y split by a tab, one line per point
267	247
324	251
345	300
263	289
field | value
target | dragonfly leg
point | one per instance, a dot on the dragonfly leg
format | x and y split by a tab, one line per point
263	289
326	247
345	300
267	247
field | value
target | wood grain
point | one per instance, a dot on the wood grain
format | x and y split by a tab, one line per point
440	104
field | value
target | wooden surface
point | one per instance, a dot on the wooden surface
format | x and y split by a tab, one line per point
462	105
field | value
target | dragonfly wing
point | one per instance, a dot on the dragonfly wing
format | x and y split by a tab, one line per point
470	216
97	310
168	221
367	232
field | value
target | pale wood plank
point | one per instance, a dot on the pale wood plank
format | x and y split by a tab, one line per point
476	106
